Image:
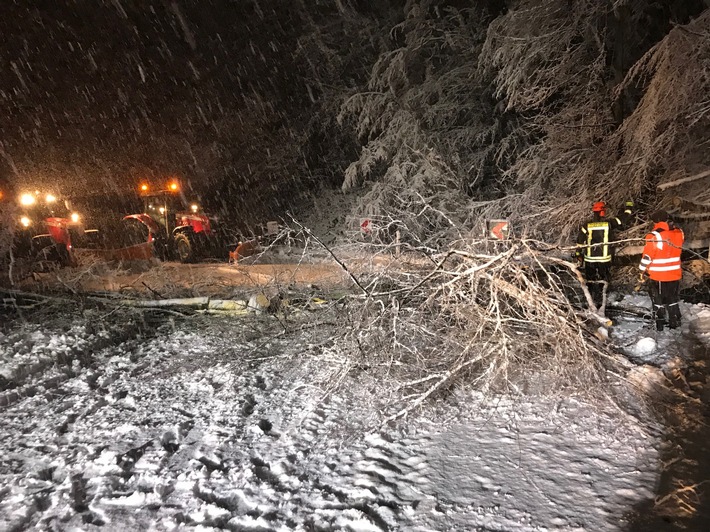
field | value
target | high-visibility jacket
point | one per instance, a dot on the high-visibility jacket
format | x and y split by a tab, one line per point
598	231
661	254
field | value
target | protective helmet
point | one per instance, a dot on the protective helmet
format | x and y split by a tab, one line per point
599	207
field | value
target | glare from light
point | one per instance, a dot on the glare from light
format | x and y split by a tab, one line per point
75	217
173	186
144	188
25	221
194	207
162	210
27	199
50	198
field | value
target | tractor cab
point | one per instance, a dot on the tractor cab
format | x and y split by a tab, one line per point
44	227
178	228
163	210
38	207
170	210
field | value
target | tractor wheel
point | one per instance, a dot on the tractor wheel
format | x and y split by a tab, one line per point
185	248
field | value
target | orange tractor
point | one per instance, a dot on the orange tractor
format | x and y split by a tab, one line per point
176	228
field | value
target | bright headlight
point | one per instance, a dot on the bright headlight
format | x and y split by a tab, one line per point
25	221
27	199
75	217
50	198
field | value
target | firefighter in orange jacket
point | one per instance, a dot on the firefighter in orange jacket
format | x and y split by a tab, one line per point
594	250
661	261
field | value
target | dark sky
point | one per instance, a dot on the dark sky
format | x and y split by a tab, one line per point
102	93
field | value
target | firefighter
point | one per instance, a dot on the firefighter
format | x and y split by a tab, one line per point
595	252
661	262
628	217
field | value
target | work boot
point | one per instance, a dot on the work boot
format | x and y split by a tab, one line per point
659	316
673	316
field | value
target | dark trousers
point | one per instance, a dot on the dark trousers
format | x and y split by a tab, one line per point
664	298
595	272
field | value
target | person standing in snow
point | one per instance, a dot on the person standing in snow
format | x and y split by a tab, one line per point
595	252
661	262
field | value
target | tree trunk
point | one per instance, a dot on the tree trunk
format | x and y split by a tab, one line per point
622	15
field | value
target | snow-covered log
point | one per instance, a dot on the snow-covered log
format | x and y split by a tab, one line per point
193	302
676	182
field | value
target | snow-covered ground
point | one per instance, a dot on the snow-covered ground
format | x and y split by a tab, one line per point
214	422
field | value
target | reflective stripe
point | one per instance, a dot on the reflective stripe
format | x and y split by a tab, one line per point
665	261
598	226
643	267
659	240
664	268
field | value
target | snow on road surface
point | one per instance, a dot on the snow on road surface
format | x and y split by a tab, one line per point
116	423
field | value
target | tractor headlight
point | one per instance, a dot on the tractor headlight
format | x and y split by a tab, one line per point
25	221
50	198
27	199
75	217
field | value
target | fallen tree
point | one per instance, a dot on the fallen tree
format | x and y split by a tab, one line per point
496	316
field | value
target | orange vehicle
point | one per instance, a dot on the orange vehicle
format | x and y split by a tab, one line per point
177	228
44	228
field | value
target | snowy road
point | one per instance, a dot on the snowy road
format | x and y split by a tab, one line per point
217	428
116	422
